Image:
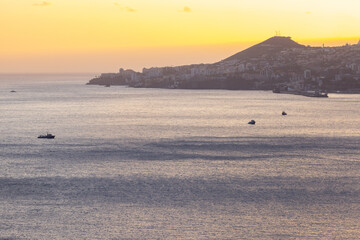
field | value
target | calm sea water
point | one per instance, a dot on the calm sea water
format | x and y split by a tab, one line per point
175	164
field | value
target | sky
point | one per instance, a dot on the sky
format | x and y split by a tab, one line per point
103	35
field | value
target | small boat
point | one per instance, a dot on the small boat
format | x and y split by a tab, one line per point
252	122
12	91
284	113
317	93
48	136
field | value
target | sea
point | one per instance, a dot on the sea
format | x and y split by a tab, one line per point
141	163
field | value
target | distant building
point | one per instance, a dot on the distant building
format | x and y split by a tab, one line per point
249	66
307	74
194	71
152	72
241	67
353	67
266	72
108	75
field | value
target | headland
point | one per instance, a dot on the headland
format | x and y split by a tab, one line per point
278	64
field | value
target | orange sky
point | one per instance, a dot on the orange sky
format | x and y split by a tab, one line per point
103	35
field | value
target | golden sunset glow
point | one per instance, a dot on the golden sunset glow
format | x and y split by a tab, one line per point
102	35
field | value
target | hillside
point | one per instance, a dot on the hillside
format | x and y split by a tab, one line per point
270	46
276	62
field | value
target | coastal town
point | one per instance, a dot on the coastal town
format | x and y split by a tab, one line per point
278	64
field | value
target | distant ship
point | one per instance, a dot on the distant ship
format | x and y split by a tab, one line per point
316	93
48	136
252	122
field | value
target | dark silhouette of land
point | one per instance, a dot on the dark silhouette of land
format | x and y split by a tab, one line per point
277	63
270	46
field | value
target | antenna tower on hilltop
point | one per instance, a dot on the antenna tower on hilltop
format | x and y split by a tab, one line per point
277	34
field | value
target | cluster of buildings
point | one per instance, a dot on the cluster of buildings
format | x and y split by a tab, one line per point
328	68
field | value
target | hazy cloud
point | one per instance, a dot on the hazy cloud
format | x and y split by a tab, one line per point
186	9
129	9
307	12
126	8
43	4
